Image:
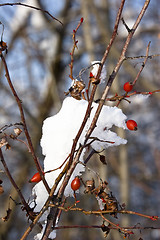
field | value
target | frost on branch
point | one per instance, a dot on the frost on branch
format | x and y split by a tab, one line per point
94	71
59	132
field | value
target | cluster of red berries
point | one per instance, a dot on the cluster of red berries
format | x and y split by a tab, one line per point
75	184
131	124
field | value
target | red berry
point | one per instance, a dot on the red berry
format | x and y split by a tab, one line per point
128	86
75	184
36	178
132	125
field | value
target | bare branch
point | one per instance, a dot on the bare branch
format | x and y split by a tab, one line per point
117	67
19	103
27	208
30	6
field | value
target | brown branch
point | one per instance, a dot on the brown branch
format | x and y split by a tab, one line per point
88	111
75	159
74	47
123	230
27	208
50	221
141	69
2	129
100	226
125	96
97	212
46	205
114	34
73	163
143	65
30	6
116	69
19	103
139	57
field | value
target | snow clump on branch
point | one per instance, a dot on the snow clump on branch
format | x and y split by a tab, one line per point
60	130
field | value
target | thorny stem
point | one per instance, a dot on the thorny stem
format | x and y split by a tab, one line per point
27	208
30	6
19	103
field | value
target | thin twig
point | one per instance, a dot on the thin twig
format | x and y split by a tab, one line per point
123	230
2	129
143	65
141	69
73	163
27	208
74	159
46	205
97	212
74	47
30	6
117	67
19	103
100	226
139	57
128	95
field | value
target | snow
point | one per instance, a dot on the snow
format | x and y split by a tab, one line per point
94	71
139	98
39	236
58	133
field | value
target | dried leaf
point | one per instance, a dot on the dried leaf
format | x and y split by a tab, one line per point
12	136
104	185
123	206
105	229
17	131
90	186
8	147
3	142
